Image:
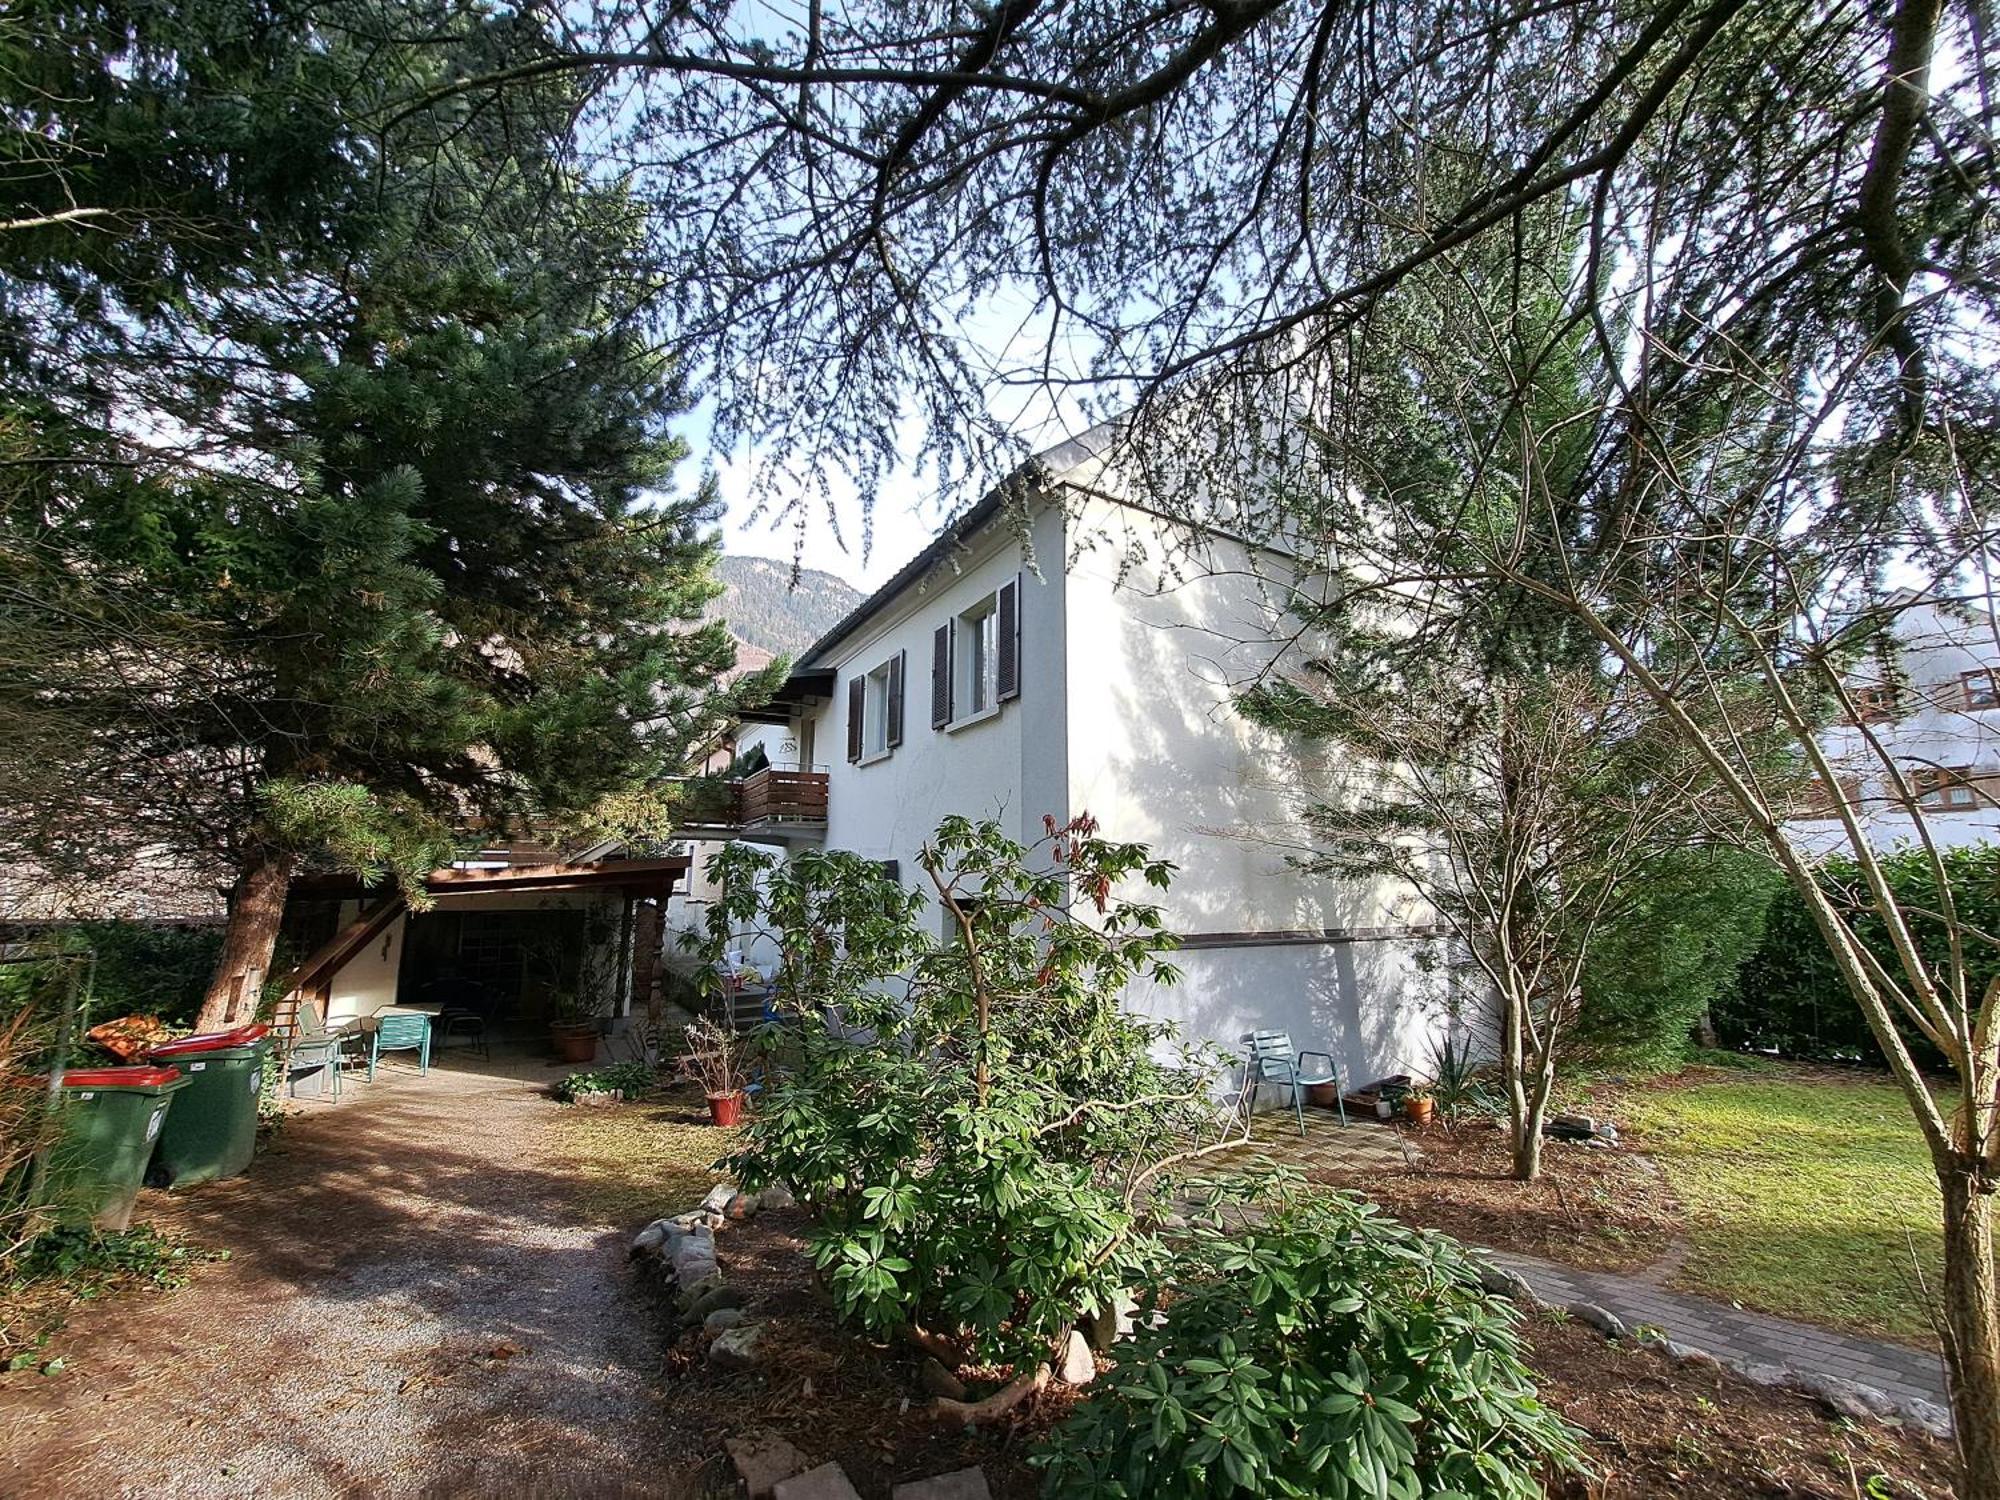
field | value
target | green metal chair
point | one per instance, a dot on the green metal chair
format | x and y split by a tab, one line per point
1271	1059
400	1031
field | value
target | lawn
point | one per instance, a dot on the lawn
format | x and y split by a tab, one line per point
1806	1193
632	1163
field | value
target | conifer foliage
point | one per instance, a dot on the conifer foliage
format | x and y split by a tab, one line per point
338	517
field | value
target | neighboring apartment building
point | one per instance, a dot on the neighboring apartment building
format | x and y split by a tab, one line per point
1073	653
1934	706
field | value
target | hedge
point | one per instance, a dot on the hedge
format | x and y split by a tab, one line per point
1790	999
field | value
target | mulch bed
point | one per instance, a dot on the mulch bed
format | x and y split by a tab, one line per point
1604	1210
1656	1430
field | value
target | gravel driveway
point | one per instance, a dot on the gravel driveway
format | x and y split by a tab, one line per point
412	1308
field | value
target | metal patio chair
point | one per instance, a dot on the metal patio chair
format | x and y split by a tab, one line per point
400	1031
1272	1059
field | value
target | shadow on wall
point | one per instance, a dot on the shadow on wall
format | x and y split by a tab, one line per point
1221	798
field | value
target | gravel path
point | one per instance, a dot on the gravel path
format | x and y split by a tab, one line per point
412	1308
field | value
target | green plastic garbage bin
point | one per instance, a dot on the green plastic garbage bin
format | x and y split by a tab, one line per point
110	1119
212	1131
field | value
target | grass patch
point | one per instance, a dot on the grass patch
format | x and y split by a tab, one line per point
1806	1195
634	1162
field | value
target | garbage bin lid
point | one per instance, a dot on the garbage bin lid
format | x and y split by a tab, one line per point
211	1041
118	1078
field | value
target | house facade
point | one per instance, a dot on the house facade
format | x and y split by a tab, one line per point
1064	652
1932	705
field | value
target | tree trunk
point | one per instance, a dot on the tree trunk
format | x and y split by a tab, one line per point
1972	1332
256	907
1532	1110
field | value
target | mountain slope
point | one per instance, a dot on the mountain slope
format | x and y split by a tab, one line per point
763	609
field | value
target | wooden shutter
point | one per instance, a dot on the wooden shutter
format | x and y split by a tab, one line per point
857	704
896	699
941	676
1009	609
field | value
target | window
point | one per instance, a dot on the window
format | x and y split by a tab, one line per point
1873	703
978	635
1980	688
976	659
875	711
1954	789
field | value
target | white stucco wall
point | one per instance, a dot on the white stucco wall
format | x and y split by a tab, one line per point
1010	766
1158	649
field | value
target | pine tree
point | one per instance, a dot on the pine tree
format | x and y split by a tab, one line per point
386	482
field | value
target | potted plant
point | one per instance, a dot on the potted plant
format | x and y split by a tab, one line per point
1419	1105
714	1059
572	1027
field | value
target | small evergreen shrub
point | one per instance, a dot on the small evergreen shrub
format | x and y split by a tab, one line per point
1329	1352
1671	955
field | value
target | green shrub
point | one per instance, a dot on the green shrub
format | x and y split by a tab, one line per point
1790	999
628	1080
984	1133
1329	1352
1672	956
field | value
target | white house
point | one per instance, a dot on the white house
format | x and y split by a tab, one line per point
1933	706
1061	651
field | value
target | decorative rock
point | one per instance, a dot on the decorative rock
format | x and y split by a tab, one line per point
1603	1319
777	1195
714	1220
1502	1282
693	1257
1926	1416
1108	1325
688	1222
1765	1375
959	1484
736	1348
763	1459
1847	1398
1694	1359
723	1319
742	1206
1077	1367
695	1293
718	1197
938	1381
651	1239
712	1299
827	1482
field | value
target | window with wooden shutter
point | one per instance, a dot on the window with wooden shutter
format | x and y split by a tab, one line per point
1009	610
857	705
895	734
941	676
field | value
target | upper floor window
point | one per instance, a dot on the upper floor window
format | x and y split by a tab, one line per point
1874	703
976	658
1953	789
1980	688
875	711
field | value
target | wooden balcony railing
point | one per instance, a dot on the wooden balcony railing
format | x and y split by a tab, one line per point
765	800
774	796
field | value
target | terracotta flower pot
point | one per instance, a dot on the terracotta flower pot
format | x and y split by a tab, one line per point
1325	1095
1419	1111
726	1109
574	1041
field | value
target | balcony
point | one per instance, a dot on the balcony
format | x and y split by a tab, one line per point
769	804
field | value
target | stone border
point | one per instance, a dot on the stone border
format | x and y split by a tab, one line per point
1842	1398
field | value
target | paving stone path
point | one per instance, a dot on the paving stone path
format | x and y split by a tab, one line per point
1731	1334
